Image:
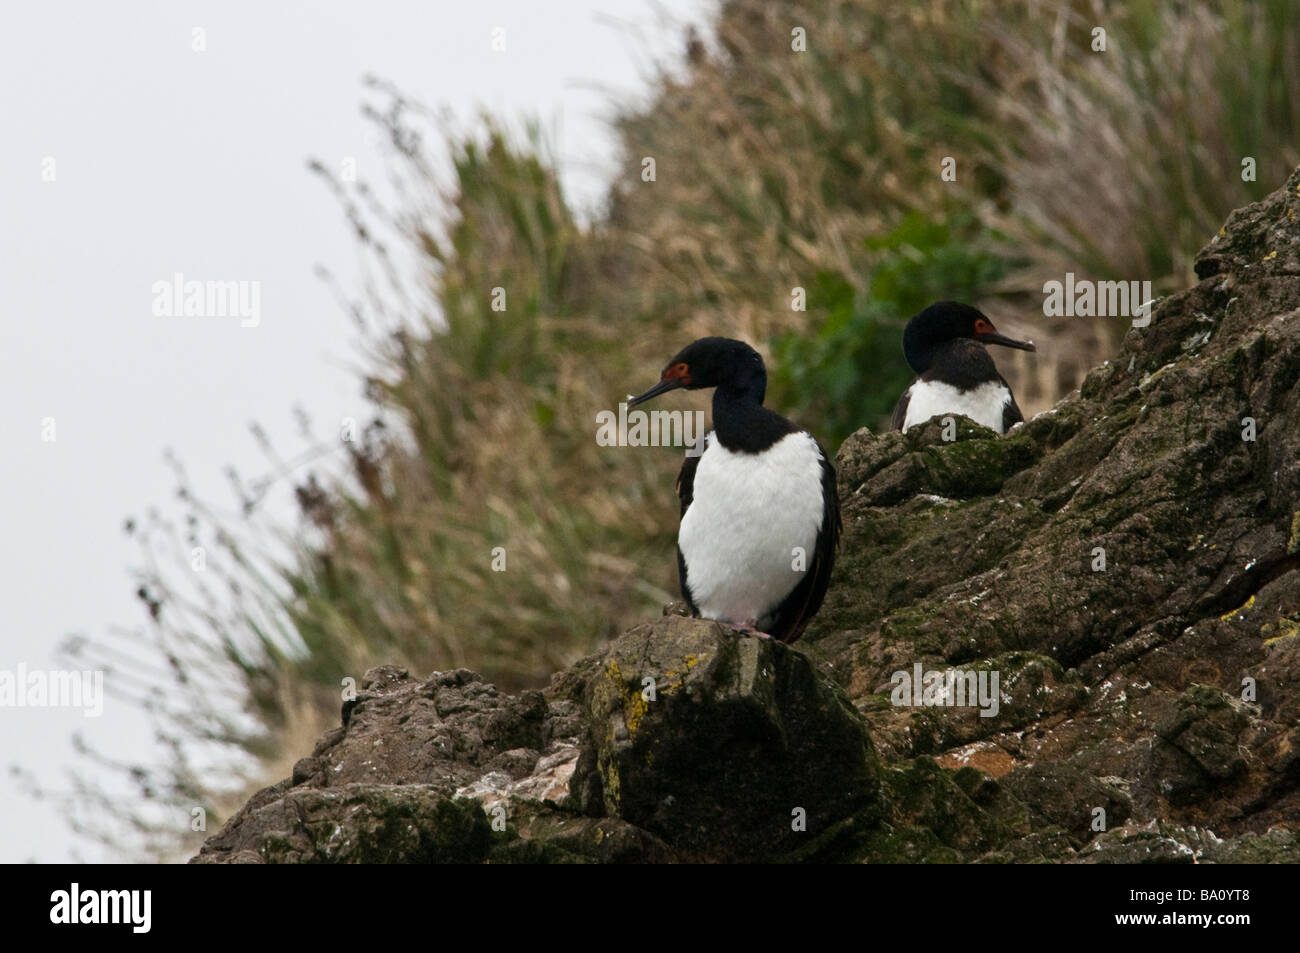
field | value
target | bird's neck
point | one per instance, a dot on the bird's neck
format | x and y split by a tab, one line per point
963	363
742	423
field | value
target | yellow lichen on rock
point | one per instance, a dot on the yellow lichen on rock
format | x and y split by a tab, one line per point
1241	608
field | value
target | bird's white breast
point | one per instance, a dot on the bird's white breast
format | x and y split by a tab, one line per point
983	404
750	532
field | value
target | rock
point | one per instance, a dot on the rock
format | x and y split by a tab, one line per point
1127	566
1064	795
1150	843
1169	672
446	770
717	742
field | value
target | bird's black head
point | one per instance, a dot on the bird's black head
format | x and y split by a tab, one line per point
947	321
724	363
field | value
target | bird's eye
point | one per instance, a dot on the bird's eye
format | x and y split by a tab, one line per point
682	371
983	327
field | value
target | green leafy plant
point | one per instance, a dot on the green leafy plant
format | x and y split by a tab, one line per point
849	372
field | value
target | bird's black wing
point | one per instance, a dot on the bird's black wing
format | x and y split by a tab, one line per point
798	609
1011	414
686	493
900	409
686	482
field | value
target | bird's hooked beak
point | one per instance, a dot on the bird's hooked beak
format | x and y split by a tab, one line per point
992	337
675	376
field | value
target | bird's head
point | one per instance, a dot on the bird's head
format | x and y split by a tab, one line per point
711	362
947	321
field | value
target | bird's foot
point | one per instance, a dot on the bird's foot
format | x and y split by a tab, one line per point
750	628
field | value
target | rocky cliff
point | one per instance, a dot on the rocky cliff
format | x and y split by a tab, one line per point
1116	583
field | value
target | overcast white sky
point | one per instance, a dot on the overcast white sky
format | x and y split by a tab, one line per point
169	160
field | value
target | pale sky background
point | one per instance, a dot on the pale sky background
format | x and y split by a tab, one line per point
170	160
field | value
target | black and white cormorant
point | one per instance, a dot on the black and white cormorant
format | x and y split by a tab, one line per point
944	344
760	517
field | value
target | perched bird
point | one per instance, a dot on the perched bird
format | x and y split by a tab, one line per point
944	344
760	517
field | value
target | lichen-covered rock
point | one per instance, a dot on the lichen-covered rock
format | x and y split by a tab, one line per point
726	746
1136	547
445	770
1066	796
1119	578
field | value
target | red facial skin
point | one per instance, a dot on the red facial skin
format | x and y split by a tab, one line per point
680	372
